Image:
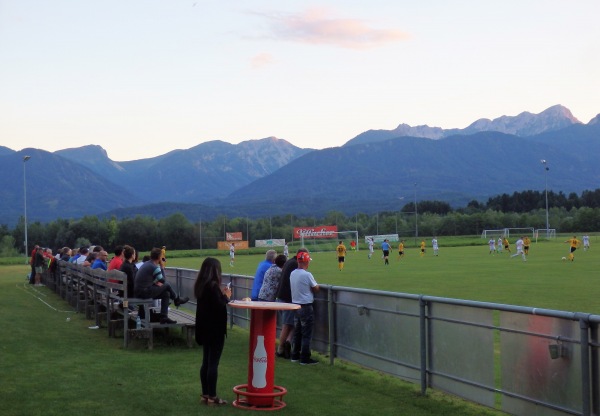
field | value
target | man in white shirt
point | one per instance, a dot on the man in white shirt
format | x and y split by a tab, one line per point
586	242
520	251
231	254
434	244
303	287
371	244
492	244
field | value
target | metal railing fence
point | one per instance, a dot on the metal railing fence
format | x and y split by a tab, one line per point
521	360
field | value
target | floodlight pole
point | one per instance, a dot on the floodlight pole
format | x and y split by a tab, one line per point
25	159
416	216
546	169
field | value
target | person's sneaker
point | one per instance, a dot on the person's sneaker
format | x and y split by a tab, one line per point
181	301
295	358
167	320
287	350
310	361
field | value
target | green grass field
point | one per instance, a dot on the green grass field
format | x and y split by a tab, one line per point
460	272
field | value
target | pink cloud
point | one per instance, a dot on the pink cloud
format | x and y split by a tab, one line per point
261	60
316	26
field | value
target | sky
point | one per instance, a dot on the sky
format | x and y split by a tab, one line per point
143	77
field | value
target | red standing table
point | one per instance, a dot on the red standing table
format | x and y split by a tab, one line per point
261	393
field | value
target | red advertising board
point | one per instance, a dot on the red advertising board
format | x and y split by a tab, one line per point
320	231
233	236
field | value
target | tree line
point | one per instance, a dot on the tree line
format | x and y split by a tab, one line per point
567	214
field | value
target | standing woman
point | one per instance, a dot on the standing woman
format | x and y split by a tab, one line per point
211	325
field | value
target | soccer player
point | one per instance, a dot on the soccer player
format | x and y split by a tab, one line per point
586	242
499	246
341	255
434	244
231	254
422	248
574	242
385	247
526	243
371	248
519	245
401	249
492	244
506	244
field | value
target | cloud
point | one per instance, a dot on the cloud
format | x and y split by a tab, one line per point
317	26
261	60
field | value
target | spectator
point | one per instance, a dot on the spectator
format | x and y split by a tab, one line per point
83	253
303	287
270	286
32	263
211	325
138	264
129	268
39	262
100	261
259	276
284	294
117	260
150	283
65	254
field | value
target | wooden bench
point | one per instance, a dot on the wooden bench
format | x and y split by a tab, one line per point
103	296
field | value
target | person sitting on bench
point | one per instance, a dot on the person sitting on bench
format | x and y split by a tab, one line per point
150	283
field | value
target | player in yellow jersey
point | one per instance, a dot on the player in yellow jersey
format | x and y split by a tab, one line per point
422	248
574	242
341	255
526	243
506	244
401	249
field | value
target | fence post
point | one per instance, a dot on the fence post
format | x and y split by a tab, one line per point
585	364
330	325
423	343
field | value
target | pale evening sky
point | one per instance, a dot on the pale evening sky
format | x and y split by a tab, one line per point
143	77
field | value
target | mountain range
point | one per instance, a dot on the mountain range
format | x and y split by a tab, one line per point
376	170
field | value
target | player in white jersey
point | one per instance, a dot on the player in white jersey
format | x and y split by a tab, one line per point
520	251
492	244
371	244
231	254
499	246
586	242
434	245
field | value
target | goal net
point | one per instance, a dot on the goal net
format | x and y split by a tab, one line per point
493	233
329	244
520	231
545	233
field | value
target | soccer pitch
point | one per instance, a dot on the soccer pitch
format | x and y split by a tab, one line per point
467	272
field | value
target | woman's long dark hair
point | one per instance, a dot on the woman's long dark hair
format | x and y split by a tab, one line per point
208	277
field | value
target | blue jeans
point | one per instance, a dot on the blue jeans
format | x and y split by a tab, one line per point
303	328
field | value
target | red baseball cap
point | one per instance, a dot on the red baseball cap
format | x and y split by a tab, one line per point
303	257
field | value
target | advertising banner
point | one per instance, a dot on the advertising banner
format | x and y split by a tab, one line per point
274	242
239	245
233	236
320	231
